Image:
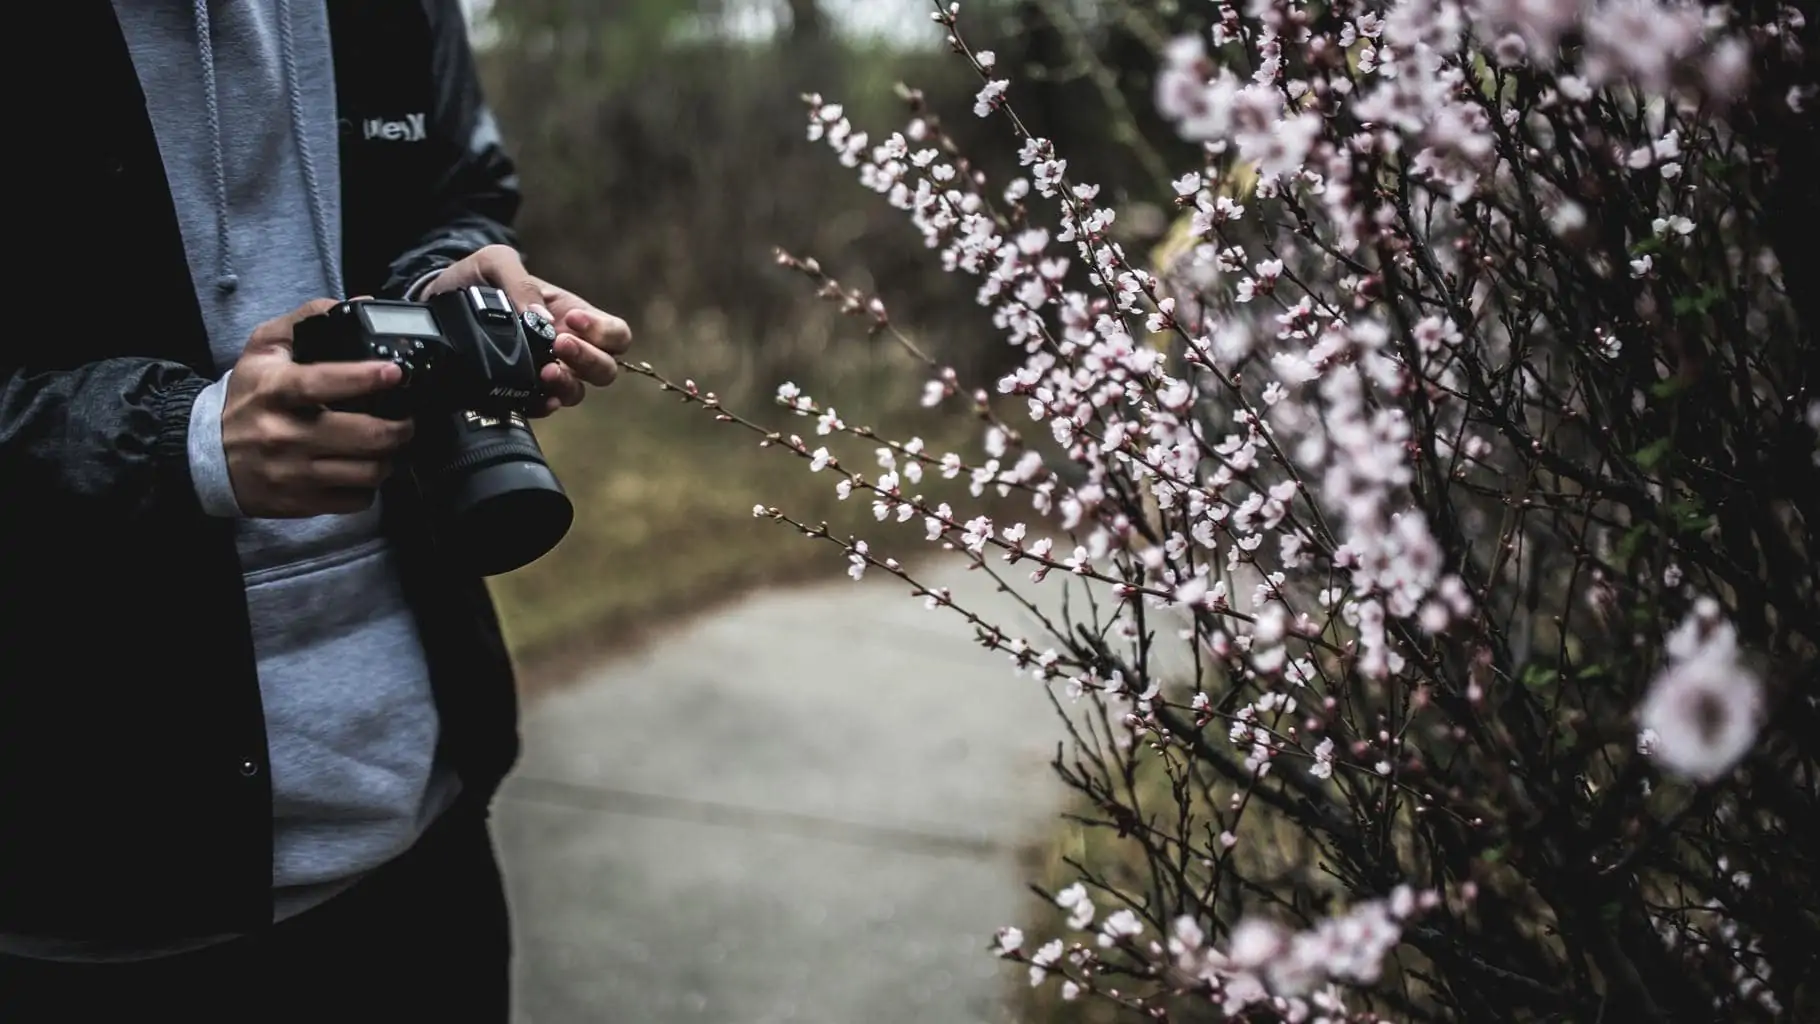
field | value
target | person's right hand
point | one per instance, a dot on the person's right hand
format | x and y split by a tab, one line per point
287	456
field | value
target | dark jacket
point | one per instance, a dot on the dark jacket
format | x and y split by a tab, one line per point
134	801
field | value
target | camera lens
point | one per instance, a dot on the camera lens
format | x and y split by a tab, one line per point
496	502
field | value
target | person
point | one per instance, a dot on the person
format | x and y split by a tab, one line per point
251	720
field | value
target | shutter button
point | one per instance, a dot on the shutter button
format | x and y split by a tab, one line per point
249	768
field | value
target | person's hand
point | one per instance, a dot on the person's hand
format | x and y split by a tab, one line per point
287	456
587	339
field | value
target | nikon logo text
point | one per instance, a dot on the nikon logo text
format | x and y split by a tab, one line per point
410	129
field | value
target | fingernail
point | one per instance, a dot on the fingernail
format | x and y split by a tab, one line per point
541	310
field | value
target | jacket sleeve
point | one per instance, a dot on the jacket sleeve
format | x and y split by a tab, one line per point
112	434
476	196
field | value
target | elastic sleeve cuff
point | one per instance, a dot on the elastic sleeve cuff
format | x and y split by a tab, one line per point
208	460
170	449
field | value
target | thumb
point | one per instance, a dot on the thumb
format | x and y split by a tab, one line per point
275	335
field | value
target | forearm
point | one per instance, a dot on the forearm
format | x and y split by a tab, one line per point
448	244
113	433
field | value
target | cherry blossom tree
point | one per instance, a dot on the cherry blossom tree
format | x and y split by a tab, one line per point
1438	507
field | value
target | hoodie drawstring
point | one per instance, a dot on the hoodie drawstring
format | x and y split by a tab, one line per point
225	278
300	131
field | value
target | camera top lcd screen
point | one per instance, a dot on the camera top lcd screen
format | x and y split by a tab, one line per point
406	321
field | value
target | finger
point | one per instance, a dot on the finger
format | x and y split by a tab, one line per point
276	332
604	331
590	364
550	405
314	307
350	474
503	269
353	435
573	313
328	383
560	383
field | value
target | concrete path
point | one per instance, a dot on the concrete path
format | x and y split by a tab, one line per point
804	808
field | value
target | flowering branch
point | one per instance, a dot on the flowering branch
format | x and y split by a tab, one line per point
1462	445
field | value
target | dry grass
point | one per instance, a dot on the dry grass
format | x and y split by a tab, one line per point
664	495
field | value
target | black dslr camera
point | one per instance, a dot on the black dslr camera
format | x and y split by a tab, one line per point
471	367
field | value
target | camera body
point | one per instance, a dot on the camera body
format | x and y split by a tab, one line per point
461	350
471	365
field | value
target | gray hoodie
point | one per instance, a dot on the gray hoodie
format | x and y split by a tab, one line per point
241	97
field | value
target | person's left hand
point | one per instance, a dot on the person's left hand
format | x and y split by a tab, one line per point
587	339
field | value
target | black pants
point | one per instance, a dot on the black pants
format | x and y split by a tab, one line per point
424	938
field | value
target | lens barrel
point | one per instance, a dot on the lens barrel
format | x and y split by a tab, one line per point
494	500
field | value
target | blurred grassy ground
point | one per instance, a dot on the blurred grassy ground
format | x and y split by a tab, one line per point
664	494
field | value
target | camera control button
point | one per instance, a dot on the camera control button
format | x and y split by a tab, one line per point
539	325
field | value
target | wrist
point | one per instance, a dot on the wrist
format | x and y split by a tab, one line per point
414	291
